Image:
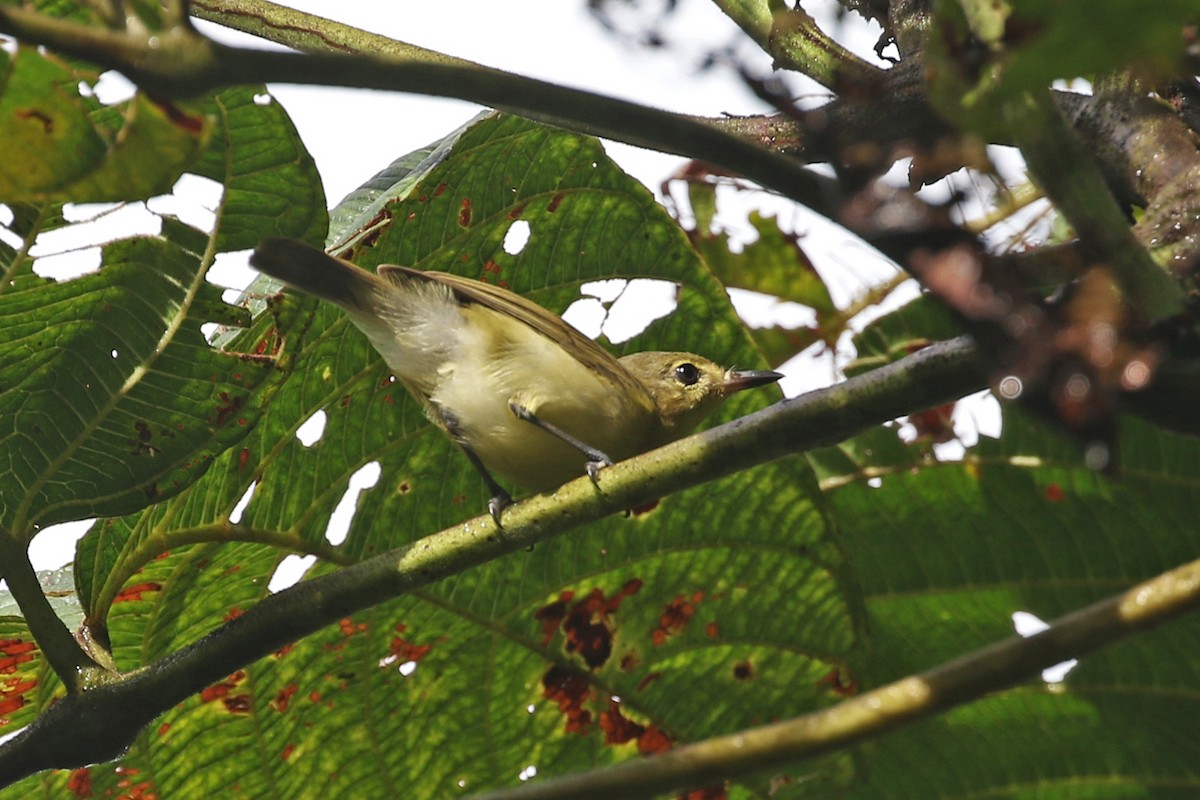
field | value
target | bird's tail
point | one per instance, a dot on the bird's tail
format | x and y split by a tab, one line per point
315	272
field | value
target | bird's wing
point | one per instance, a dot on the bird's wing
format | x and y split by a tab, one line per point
585	350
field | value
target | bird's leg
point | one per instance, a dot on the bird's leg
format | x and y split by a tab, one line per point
500	498
597	459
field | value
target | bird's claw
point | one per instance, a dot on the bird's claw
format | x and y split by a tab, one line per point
499	501
594	467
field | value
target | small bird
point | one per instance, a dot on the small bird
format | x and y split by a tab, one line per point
523	394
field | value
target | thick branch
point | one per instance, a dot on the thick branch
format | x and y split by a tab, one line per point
100	724
990	669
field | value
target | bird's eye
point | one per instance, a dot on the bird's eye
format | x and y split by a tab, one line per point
687	374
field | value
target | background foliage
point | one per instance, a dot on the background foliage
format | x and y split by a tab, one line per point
765	595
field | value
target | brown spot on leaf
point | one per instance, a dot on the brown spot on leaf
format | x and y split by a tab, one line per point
283	698
1054	493
464	214
839	684
552	206
570	690
224	691
675	617
653	740
587	623
743	670
36	115
618	728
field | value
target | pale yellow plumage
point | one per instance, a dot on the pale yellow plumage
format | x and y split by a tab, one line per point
508	380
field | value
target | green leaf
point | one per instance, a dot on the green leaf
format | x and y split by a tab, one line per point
946	553
735	595
113	398
271	185
72	148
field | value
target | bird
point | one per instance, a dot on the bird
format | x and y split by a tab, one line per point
523	394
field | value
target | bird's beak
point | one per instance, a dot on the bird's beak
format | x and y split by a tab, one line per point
738	379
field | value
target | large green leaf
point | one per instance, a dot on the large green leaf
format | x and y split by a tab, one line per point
948	552
717	608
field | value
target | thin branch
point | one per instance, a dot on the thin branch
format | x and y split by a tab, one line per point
180	62
100	724
887	708
302	31
68	660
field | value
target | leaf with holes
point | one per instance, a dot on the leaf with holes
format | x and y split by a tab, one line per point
735	595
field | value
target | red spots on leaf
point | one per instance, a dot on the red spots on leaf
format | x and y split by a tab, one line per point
588	623
440	190
314	696
10	705
283	698
653	741
287	648
630	661
401	651
349	627
243	459
743	670
464	213
838	683
80	782
490	267
618	728
142	790
711	631
345	401
13	653
675	617
163	729
134	593
233	613
570	690
552	206
286	753
225	692
1054	493
516	211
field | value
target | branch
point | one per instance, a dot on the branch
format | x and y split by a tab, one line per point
1071	179
68	660
887	708
100	724
181	62
303	31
